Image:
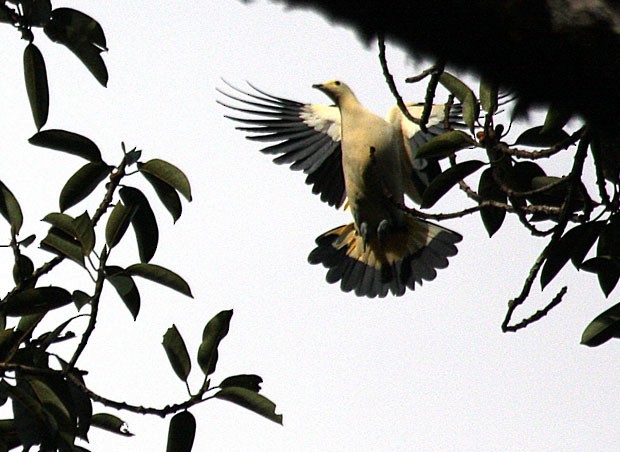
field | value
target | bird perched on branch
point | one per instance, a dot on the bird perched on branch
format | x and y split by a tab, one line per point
350	153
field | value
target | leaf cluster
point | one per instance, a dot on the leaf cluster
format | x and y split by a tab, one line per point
52	406
510	180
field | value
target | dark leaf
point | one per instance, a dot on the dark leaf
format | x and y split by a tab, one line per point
519	177
34	301
125	287
607	269
28	240
455	86
84	232
471	111
252	401
82	183
80	299
118	222
181	432
168	173
465	95
31	420
492	217
535	137
37	12
167	195
57	241
10	209
488	95
251	382
609	241
448	179
69	142
83	36
215	330
143	222
110	423
604	327
445	145
556	119
61	221
22	269
35	75
177	353
161	276
574	245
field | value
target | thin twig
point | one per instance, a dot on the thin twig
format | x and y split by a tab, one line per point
564	216
390	81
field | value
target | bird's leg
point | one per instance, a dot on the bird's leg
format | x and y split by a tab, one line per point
383	231
364	232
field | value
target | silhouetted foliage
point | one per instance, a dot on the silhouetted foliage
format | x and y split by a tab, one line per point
52	405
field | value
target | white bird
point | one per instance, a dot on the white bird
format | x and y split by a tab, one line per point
350	153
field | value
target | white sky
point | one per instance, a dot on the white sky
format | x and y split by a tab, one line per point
428	371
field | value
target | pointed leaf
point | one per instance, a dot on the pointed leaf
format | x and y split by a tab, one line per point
215	330
80	299
35	75
445	145
168	173
83	36
604	327
252	401
167	195
84	232
22	269
125	287
251	382
581	238
181	432
61	221
574	245
47	396
69	142
56	241
607	269
471	111
34	301
143	222
556	119
609	241
10	209
177	353
448	179
161	276
535	137
455	86
489	92
118	222
110	423
82	183
492	217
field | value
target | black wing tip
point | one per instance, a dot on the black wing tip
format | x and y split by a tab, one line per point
365	280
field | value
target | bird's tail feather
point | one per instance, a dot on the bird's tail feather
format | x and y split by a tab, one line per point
403	258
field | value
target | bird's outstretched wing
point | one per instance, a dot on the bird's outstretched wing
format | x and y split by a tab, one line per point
418	173
307	136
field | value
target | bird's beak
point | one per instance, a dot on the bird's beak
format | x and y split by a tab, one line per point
318	86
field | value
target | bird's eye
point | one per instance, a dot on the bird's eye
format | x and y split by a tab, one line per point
337	83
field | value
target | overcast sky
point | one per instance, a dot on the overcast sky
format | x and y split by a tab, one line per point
429	371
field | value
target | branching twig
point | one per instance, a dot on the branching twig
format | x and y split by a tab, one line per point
538	314
574	178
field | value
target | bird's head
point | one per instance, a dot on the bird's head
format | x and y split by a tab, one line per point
335	90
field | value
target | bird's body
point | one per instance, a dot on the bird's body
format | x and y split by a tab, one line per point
385	248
